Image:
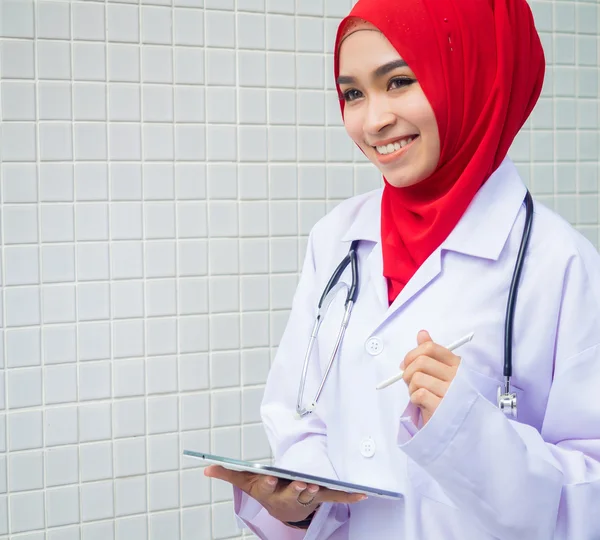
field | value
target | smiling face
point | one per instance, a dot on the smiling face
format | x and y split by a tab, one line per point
386	112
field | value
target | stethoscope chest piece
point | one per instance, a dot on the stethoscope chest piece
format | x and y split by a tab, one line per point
507	403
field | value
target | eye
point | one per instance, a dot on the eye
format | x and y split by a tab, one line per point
351	95
400	82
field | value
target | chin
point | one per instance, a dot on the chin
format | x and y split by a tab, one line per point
403	181
401	174
405	178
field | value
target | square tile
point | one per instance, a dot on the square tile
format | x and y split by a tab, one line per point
53	20
17	59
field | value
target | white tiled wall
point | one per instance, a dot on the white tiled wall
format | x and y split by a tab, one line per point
162	164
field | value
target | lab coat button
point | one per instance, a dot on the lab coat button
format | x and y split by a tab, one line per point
367	447
374	346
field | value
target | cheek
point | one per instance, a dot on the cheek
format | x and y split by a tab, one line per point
418	112
427	123
354	126
423	118
431	128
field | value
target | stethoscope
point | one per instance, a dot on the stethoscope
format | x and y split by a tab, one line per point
507	400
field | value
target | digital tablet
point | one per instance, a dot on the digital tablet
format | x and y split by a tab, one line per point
258	468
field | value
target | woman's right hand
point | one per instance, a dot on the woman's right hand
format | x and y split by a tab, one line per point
281	498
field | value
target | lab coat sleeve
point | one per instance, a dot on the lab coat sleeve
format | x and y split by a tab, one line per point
297	444
516	481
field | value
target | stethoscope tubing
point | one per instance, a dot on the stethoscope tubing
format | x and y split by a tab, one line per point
333	285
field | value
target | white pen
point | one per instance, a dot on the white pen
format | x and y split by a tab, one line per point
450	347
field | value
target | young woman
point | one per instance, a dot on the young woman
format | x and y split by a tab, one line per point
434	93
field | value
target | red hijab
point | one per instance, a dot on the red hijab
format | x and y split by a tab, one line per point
481	66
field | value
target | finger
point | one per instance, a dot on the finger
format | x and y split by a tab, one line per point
313	489
425	400
289	494
266	485
423	336
296	496
333	496
433	384
433	350
241	480
308	495
430	366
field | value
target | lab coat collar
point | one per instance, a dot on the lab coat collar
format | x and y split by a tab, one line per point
366	221
484	227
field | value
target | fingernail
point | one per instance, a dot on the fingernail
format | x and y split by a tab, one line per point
272	481
313	489
363	498
299	488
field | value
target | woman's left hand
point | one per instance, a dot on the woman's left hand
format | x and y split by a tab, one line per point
428	371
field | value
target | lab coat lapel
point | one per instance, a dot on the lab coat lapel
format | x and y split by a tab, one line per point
422	278
366	228
426	273
375	278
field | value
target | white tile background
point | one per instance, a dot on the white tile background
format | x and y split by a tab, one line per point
161	165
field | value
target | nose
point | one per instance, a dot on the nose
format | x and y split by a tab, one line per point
379	116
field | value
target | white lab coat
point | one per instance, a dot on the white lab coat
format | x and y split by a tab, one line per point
470	473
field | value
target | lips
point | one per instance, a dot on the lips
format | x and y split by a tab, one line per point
398	148
384	149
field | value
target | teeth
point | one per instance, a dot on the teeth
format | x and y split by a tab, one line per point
389	148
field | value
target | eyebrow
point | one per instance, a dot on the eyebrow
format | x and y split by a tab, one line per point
379	72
